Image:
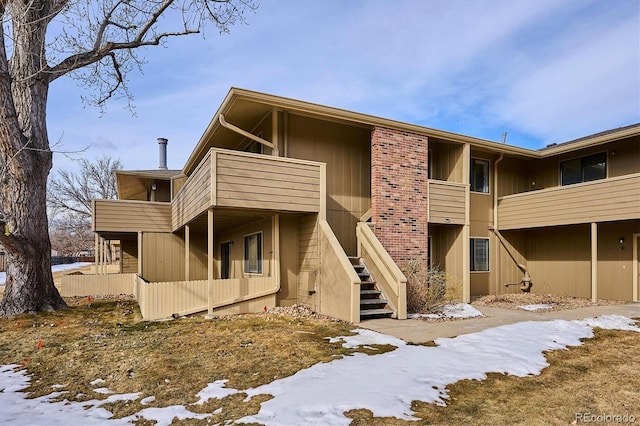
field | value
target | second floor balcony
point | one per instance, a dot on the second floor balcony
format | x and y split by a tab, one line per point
603	200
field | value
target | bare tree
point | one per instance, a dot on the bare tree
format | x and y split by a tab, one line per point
97	43
71	193
69	196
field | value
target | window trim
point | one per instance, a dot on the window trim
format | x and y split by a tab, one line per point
245	260
582	157
471	175
471	253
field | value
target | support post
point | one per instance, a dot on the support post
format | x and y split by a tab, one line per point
636	273
96	254
276	247
140	254
187	251
466	267
209	264
594	262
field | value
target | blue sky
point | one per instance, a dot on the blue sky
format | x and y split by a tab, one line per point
542	71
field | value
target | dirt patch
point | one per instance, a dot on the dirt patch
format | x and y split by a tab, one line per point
555	303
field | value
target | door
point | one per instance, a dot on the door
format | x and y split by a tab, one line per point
225	254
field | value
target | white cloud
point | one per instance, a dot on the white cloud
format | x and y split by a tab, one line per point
543	70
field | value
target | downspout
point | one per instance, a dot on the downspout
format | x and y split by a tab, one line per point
246	134
525	283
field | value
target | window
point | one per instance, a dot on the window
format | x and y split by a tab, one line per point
225	255
584	169
480	175
479	254
253	253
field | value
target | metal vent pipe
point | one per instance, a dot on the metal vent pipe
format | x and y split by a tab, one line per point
162	144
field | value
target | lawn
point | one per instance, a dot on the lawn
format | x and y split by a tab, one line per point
104	344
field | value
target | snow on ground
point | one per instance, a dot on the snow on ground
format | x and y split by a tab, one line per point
454	310
54	268
539	307
321	393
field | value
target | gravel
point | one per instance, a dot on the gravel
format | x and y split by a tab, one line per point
556	303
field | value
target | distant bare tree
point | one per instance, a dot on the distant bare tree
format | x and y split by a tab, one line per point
71	193
69	196
97	41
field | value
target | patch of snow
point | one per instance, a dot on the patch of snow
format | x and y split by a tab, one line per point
215	390
148	400
460	310
97	382
366	337
611	322
538	307
57	386
67	266
453	310
54	268
104	391
164	416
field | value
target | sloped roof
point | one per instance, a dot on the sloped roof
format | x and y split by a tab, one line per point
242	104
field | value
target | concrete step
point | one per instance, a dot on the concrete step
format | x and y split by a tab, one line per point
375	313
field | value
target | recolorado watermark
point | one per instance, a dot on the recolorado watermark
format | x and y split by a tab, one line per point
604	418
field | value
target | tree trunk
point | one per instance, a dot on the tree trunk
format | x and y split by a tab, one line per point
29	283
25	162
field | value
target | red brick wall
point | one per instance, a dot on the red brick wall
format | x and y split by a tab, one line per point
399	193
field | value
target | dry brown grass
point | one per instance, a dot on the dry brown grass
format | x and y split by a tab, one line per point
174	360
170	360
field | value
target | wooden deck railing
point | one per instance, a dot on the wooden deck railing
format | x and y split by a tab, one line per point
603	200
447	202
340	291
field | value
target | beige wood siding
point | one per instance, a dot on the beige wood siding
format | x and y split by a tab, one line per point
308	259
559	260
340	289
236	236
596	201
445	160
131	216
176	185
289	265
163	257
346	151
269	183
623	158
129	255
615	260
447	202
194	197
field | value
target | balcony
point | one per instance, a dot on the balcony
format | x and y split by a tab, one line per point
236	179
131	216
597	201
447	201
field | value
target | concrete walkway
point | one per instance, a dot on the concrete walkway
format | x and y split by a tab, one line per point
419	331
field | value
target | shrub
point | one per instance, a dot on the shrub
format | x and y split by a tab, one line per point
429	288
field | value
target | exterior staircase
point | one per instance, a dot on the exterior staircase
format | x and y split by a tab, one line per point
372	305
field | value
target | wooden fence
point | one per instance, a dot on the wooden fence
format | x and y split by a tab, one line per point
159	300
